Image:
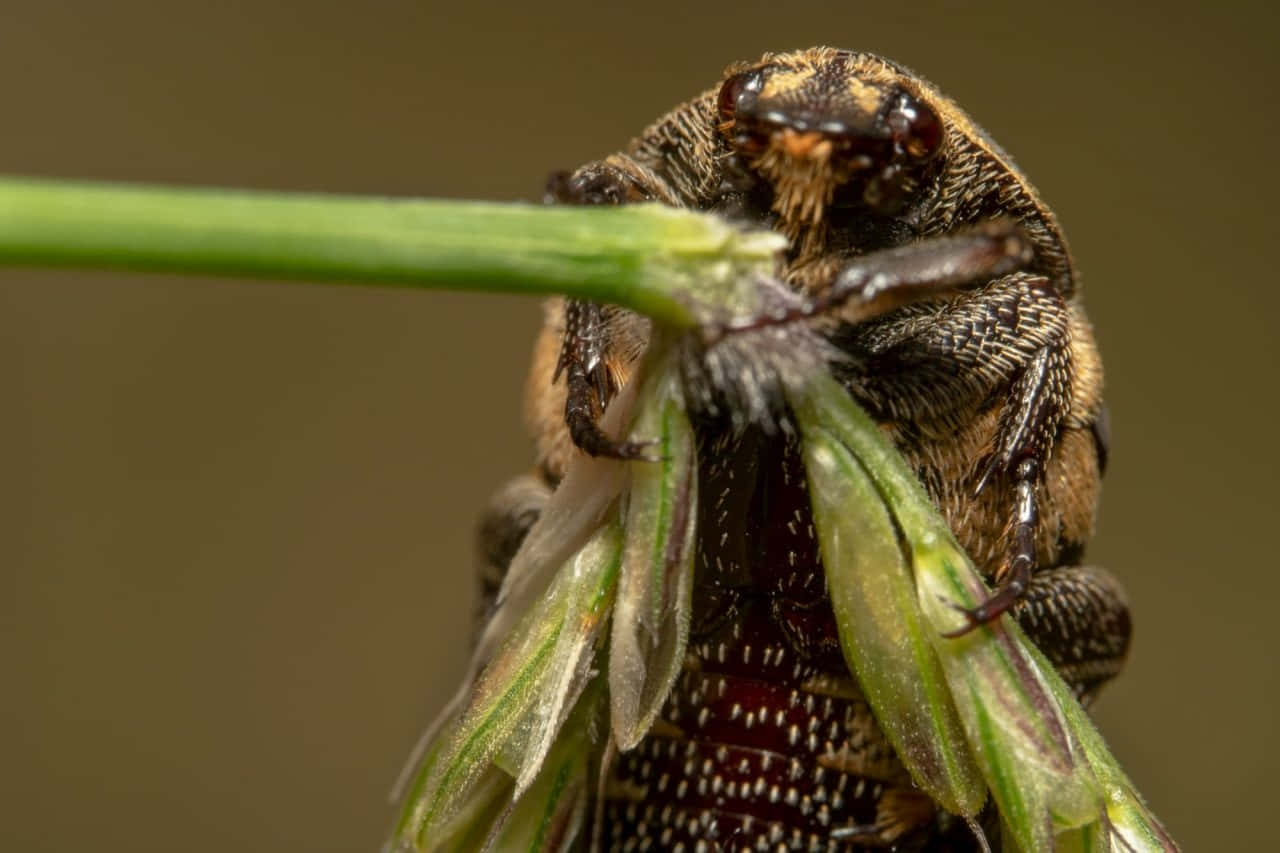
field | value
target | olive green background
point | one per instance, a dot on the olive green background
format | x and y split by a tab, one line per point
236	518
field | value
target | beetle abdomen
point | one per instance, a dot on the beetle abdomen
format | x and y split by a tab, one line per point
765	743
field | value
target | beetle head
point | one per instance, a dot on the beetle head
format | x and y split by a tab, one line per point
827	127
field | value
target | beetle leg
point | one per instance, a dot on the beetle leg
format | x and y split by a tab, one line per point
884	280
582	360
1030	420
938	362
1028	425
589	334
876	283
1079	617
1016	574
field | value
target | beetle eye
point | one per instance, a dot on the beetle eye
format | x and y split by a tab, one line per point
739	92
915	128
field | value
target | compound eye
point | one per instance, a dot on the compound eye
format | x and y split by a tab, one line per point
916	129
738	93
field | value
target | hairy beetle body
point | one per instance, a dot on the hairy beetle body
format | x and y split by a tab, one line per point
947	286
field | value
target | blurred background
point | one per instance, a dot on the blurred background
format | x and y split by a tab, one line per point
236	518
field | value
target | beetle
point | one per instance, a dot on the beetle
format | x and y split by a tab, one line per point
927	259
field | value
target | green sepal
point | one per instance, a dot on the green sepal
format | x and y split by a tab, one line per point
651	617
1050	772
1090	838
1129	825
549	817
1031	759
519	702
882	634
466	830
582	598
824	402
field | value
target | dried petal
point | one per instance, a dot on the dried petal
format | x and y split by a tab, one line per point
651	617
519	703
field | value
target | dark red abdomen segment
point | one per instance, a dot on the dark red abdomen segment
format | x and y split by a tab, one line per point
765	742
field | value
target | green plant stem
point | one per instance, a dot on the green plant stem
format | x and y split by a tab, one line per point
640	257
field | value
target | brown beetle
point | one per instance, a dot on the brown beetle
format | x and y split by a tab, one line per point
931	263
